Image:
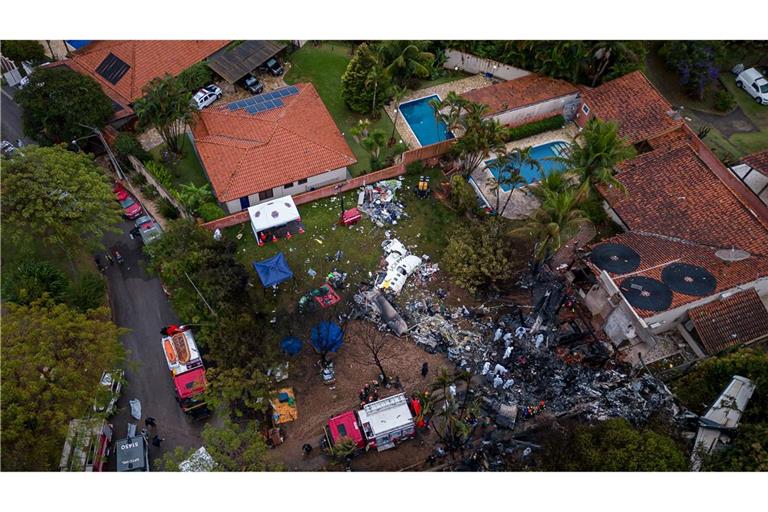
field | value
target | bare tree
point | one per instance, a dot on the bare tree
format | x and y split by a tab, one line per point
376	347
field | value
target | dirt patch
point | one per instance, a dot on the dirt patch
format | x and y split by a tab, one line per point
728	124
316	402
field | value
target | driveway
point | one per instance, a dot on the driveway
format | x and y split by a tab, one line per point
139	304
12	126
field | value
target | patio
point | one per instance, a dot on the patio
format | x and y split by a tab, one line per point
458	86
522	202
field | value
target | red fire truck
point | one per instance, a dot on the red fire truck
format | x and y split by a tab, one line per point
186	367
382	424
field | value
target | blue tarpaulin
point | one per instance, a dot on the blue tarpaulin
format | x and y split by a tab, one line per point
291	345
78	43
327	337
273	271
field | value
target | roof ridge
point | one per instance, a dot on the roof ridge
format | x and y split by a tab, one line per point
685	241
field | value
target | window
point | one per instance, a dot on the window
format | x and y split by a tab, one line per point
585	108
265	195
289	185
755	87
301	182
244	203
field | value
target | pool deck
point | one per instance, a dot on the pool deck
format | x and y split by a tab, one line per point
523	202
458	86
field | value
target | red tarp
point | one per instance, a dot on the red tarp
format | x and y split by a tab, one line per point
329	299
350	217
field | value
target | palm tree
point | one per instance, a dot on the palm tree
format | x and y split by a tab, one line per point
554	222
377	77
508	177
605	52
406	59
373	144
450	110
360	130
595	160
480	138
517	159
193	197
397	93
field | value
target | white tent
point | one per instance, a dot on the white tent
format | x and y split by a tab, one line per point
272	214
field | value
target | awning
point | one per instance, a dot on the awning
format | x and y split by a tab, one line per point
131	454
273	213
273	271
234	64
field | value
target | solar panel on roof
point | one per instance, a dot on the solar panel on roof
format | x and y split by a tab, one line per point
112	69
279	103
232	107
250	101
252	109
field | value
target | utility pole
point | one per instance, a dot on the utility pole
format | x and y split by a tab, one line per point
111	155
200	294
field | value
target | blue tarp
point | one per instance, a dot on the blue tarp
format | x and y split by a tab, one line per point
327	337
273	271
78	43
291	345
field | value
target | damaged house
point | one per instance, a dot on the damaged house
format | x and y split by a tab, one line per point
696	238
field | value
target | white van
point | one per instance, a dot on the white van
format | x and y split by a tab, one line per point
755	84
206	96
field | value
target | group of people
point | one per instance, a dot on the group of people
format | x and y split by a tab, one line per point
150	423
369	393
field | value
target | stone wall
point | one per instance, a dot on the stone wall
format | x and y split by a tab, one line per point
473	64
139	167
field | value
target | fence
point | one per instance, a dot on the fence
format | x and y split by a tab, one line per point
474	64
139	167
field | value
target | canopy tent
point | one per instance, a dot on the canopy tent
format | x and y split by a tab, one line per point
291	345
272	214
327	336
273	271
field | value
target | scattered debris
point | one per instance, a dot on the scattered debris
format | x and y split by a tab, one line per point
378	202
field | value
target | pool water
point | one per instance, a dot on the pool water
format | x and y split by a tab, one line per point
544	154
420	116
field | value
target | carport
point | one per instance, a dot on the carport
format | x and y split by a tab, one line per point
234	64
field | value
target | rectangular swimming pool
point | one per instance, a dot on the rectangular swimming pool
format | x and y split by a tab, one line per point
544	154
420	117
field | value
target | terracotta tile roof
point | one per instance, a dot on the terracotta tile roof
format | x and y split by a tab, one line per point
740	318
147	60
757	161
520	92
672	192
249	153
635	104
657	251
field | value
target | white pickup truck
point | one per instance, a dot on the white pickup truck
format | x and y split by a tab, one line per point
755	84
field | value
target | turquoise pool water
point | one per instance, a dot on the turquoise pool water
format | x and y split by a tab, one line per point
543	154
420	116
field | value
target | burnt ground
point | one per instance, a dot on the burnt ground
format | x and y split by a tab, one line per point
316	402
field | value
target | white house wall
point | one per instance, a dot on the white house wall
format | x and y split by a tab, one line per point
538	111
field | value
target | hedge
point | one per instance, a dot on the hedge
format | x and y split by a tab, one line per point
535	128
211	211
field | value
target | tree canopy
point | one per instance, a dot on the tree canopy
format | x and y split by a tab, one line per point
53	358
166	107
57	102
697	63
364	84
58	196
19	51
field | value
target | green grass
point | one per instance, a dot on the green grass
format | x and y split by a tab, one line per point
323	65
185	170
450	76
427	227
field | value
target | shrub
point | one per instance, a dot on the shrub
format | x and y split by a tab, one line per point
139	179
463	197
210	211
724	101
31	279
167	210
87	292
149	191
416	167
127	144
161	173
534	128
196	76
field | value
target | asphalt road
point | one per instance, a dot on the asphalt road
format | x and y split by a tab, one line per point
12	126
139	304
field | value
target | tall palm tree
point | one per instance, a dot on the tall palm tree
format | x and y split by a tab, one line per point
554	222
406	59
397	93
374	143
450	110
605	52
518	158
595	160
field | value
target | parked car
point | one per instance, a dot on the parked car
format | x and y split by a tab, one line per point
755	84
252	84
111	385
147	229
119	191
131	207
8	149
206	96
273	66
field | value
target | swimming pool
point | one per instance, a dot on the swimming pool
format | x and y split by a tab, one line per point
543	154
420	117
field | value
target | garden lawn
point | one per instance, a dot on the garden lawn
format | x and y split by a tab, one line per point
424	232
323	66
187	169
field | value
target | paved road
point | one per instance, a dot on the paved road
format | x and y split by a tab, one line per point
12	126
139	304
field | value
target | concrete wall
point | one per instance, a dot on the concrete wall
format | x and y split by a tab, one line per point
139	167
549	108
473	64
313	182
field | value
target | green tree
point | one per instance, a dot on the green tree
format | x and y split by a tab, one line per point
595	160
196	77
450	110
53	112
747	452
52	357
373	143
166	107
697	63
397	93
60	197
479	139
232	446
127	144
612	59
19	51
406	60
31	279
514	161
553	223
451	416
613	445
463	197
361	83
241	392
192	196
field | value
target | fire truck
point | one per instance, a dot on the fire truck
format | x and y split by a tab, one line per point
382	424
186	368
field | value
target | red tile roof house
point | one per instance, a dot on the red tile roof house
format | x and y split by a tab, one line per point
253	153
123	68
682	208
526	99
